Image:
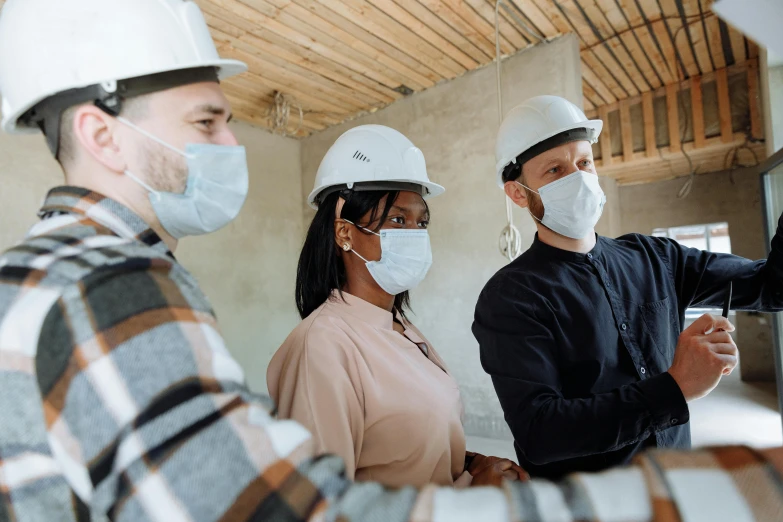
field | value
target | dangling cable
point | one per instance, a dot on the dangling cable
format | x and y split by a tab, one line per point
510	239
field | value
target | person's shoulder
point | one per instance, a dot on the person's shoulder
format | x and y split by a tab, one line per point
523	274
73	249
649	245
320	335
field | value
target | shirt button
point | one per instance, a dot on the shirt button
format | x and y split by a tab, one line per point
643	370
589	256
624	326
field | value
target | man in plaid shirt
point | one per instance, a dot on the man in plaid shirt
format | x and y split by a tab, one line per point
118	398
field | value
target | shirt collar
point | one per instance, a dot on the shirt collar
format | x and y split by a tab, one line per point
362	310
540	248
105	211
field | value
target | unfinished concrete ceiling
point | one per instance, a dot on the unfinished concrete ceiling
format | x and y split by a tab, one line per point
338	58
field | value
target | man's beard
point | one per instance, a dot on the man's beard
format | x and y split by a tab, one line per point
534	204
165	170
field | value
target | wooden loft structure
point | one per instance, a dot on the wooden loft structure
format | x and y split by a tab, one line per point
340	58
706	123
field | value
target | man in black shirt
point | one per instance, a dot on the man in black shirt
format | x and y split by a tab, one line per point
582	334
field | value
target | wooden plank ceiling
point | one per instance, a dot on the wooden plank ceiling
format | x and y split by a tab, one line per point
339	58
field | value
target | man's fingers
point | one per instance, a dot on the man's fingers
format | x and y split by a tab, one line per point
702	325
706	324
724	349
729	361
719	336
722	323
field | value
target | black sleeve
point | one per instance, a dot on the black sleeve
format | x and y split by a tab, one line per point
519	352
702	278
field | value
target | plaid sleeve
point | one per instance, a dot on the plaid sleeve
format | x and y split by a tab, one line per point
146	411
148	419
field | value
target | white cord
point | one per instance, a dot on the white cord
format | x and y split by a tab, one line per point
510	238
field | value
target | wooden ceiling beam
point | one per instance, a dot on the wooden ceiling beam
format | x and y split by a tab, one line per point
679	34
229	44
445	30
696	27
508	30
276	44
484	28
453	20
737	45
294	15
259	24
352	81
643	52
537	17
668	164
724	104
386	28
589	94
304	80
418	75
697	113
424	31
598	85
591	62
715	41
513	21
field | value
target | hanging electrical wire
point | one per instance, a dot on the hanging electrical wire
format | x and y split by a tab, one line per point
280	115
687	187
510	238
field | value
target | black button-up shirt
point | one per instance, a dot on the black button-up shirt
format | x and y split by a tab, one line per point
578	345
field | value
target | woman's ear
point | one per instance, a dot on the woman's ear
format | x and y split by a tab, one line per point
516	193
343	235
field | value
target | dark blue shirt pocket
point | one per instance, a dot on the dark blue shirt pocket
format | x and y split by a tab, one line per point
659	330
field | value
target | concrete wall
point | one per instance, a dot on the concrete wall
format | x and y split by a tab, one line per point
455	125
247	270
714	198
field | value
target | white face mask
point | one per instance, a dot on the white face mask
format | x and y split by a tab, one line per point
572	205
216	189
406	257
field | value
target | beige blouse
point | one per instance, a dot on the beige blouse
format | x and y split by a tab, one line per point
371	395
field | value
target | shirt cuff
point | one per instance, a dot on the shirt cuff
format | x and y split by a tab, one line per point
665	401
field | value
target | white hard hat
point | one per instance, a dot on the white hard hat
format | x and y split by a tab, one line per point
536	120
51	47
373	157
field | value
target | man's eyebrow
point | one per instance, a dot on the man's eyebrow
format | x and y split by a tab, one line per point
208	108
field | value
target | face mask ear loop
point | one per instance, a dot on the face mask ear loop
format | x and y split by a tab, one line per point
154	138
361	227
530	189
143	184
528	207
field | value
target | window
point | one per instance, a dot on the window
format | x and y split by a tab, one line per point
713	238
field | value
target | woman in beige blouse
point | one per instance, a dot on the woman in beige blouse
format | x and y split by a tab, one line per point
355	372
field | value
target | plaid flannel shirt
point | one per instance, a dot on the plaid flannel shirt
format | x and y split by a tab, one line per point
119	401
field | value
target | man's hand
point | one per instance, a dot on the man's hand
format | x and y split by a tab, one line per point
490	471
705	352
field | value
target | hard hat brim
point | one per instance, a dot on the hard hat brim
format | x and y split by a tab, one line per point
433	190
596	125
225	69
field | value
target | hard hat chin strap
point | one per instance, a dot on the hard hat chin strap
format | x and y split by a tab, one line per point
109	97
